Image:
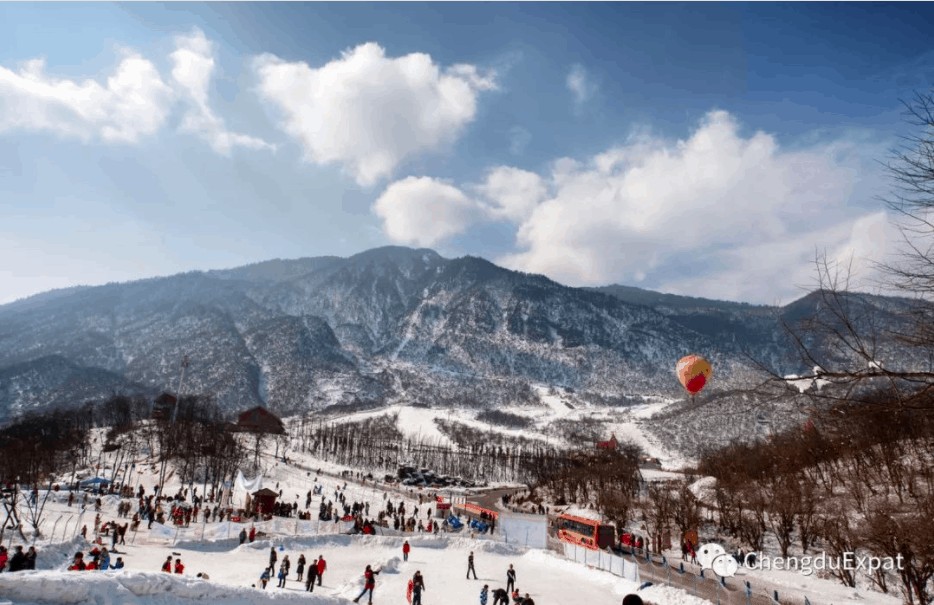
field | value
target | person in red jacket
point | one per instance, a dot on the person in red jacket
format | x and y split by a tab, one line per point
252	534
4	557
405	551
321	567
78	563
179	568
167	566
369	584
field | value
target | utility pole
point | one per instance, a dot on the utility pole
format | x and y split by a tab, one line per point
178	393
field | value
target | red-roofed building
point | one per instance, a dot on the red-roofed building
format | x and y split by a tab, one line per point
612	444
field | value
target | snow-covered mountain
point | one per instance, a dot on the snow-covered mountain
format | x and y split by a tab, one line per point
386	325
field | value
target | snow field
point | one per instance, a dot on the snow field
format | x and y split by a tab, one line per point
547	577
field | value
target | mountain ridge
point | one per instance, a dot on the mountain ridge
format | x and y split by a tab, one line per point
386	325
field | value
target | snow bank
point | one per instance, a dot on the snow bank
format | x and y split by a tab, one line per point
137	588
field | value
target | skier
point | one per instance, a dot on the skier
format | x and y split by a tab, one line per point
264	578
242	535
418	585
272	557
510	578
322	565
300	568
405	551
483	594
470	567
118	564
287	564
368	585
167	566
252	534
312	576
179	568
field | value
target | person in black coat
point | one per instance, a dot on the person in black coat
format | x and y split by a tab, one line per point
510	579
500	597
470	567
312	576
31	558
18	560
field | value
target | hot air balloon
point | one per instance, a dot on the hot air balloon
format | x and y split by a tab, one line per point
693	372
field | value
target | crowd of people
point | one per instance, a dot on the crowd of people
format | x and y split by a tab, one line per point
315	571
98	560
19	561
183	507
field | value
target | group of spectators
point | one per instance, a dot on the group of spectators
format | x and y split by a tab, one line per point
20	560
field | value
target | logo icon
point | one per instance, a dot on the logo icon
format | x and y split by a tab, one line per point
712	556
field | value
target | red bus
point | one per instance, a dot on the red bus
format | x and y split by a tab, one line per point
585	532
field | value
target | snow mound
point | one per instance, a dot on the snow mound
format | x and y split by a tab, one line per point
391	565
60	555
136	588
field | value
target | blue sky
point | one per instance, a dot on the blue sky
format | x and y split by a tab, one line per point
699	149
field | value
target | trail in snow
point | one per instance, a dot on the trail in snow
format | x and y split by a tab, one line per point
409	330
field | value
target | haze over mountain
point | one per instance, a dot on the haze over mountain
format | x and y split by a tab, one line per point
387	325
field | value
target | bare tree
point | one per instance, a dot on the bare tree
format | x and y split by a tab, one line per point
686	513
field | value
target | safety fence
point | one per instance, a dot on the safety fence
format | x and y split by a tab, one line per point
598	559
65	527
707	586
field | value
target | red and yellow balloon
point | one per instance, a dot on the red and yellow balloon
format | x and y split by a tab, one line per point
693	373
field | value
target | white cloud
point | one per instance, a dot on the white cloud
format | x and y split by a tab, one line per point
369	112
133	103
512	193
423	211
786	267
581	85
652	199
192	72
717	214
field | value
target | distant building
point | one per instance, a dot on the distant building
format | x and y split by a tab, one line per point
611	445
260	420
264	500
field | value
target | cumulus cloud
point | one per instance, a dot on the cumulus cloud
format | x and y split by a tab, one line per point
512	193
581	85
369	112
779	271
650	199
422	211
192	73
716	214
133	103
